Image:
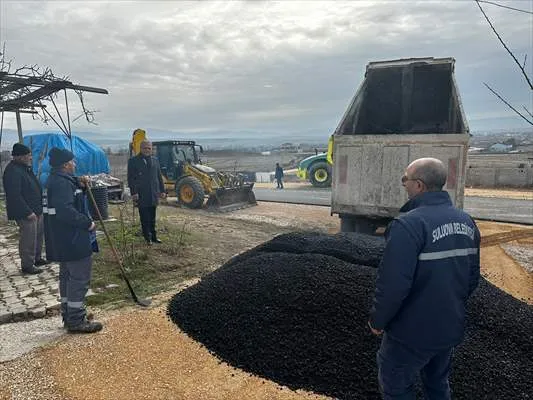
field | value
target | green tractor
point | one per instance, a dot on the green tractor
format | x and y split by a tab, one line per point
317	168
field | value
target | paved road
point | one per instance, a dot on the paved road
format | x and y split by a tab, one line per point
497	209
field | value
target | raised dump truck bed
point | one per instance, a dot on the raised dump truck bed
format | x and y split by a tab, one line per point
403	110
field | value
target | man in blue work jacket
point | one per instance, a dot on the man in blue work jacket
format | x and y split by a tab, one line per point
430	267
67	231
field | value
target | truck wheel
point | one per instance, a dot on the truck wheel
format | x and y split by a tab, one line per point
190	192
320	174
347	224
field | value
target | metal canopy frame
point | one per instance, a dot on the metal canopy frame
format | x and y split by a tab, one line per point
28	94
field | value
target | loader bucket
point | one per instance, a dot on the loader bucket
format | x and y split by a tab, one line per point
231	198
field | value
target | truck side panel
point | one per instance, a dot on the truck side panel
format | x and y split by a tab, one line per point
395	158
368	170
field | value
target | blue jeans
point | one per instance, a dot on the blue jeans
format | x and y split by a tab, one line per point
399	367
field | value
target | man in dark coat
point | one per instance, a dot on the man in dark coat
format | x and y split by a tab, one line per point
24	205
279	176
146	187
68	229
429	268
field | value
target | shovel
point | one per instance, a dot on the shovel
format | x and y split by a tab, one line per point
139	301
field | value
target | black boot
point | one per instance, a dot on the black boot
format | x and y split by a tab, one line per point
41	262
85	327
32	271
148	239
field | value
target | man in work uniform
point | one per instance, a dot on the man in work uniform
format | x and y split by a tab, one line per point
430	267
24	205
68	231
146	187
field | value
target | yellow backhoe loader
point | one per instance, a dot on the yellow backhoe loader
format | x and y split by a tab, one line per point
193	182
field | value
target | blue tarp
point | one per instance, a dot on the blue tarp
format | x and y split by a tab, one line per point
90	159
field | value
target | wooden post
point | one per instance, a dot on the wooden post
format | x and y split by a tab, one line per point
19	125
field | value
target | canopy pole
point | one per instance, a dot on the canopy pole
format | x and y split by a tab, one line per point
19	125
68	121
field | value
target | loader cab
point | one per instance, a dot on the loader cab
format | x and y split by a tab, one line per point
174	154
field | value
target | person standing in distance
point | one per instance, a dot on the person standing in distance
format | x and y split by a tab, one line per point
24	205
279	176
146	187
68	229
430	267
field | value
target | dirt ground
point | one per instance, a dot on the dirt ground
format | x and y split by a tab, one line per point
502	193
141	355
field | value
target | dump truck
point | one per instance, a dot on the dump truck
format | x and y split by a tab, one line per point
403	110
192	182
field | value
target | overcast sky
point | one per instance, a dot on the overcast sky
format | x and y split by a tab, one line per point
259	66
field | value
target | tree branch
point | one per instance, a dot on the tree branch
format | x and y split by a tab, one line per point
529	112
89	114
509	105
507	7
504	45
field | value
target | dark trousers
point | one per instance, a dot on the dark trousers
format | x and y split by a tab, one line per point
30	242
74	278
280	183
399	367
147	216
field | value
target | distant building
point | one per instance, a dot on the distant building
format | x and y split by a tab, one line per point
500	148
289	147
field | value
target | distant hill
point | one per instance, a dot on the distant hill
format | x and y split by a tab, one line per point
209	140
220	140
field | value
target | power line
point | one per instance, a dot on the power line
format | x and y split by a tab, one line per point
502	6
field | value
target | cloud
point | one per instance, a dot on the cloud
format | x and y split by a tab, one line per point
258	65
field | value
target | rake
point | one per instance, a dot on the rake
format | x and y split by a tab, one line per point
136	299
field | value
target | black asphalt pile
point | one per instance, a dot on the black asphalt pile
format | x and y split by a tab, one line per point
496	359
355	248
300	320
290	318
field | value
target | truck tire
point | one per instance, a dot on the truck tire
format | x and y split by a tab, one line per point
320	174
347	224
190	192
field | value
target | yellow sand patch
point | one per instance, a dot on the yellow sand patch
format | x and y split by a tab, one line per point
142	355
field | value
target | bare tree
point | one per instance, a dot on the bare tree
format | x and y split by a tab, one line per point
520	66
